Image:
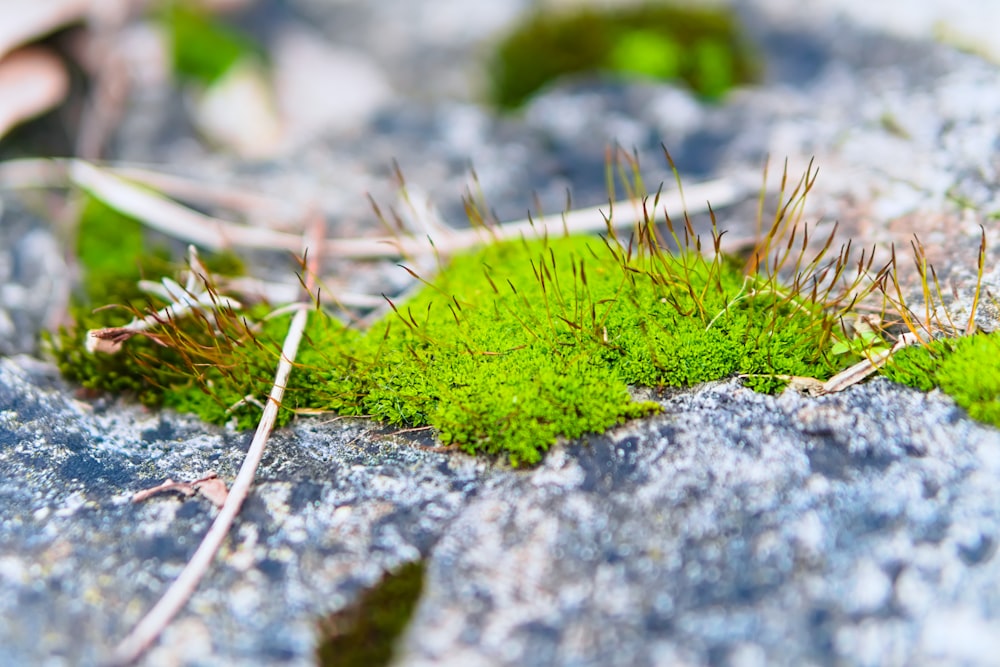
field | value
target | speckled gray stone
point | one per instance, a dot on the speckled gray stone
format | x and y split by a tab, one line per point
335	505
788	530
849	529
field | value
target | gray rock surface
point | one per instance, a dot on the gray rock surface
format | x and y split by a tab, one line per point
734	529
335	505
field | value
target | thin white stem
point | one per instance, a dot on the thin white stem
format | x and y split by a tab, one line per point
865	367
180	591
277	213
173	219
179	221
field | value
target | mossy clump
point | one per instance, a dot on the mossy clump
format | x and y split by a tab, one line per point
508	348
701	47
178	365
511	347
203	49
522	342
965	368
365	634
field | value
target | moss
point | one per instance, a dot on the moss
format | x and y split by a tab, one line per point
203	49
176	369
967	369
365	633
110	249
511	347
523	342
700	47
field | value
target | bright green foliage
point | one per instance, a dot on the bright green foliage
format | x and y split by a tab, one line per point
701	47
365	634
511	347
109	247
966	368
203	49
647	53
523	342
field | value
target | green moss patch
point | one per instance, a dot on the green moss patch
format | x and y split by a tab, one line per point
967	369
522	342
365	634
187	366
509	348
701	47
203	48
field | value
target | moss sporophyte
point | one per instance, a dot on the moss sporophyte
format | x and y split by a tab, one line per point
514	344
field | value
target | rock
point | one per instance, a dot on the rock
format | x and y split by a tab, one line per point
255	131
733	529
34	280
323	90
734	525
335	505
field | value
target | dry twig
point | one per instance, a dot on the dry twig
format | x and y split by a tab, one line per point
180	591
181	222
849	376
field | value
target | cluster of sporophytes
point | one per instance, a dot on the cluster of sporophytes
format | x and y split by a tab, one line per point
953	357
701	47
507	348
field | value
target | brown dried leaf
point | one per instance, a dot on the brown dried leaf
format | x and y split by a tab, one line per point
32	81
170	485
209	486
212	488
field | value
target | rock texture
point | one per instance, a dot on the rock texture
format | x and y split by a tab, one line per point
733	529
335	506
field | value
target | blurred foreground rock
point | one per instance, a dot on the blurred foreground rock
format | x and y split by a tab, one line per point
734	529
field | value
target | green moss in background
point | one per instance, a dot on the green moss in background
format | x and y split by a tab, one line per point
523	342
203	48
703	48
110	248
967	369
365	634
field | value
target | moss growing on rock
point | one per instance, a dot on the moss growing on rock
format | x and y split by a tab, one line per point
700	47
509	348
966	368
178	365
522	342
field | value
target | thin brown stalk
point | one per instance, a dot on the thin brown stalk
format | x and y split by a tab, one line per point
970	326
